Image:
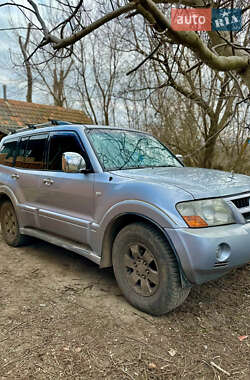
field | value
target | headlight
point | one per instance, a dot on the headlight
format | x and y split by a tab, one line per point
205	213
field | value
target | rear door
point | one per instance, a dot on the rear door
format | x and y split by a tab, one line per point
7	172
28	170
66	198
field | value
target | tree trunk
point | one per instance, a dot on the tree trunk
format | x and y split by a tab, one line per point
29	84
209	152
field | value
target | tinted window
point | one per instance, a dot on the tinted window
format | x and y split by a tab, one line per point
59	144
31	152
8	152
19	163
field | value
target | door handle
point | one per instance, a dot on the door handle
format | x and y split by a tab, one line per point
48	181
15	176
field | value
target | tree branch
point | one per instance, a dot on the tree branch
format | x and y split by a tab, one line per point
192	40
95	25
145	59
70	17
48	37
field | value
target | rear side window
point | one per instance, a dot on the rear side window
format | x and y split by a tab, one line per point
21	153
8	152
59	144
31	152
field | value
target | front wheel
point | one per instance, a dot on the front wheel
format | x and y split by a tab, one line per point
146	270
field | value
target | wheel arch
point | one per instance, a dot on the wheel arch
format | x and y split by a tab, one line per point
121	221
7	194
4	197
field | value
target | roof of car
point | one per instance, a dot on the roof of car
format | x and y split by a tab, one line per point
67	126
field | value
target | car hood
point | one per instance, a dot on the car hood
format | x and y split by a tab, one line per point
200	183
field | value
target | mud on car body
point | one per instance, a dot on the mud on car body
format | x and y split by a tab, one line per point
120	198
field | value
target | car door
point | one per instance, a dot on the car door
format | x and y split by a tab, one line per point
27	173
66	198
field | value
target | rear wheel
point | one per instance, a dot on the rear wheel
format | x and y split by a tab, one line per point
10	226
146	269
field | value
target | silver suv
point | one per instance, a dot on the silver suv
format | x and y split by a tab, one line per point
120	198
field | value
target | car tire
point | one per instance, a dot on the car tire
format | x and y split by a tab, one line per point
10	226
146	269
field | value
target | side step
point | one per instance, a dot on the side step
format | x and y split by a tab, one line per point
81	249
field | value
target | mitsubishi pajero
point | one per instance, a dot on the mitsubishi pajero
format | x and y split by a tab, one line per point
120	198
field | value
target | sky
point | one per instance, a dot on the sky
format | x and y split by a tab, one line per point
10	16
6	76
16	86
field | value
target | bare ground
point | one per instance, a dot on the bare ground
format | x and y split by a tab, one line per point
62	317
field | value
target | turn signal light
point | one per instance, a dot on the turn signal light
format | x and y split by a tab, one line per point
195	221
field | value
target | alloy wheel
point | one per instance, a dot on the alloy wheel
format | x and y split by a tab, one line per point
142	270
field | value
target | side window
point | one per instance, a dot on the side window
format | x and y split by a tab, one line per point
8	152
31	153
19	163
59	144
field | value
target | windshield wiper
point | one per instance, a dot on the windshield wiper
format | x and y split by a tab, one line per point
145	167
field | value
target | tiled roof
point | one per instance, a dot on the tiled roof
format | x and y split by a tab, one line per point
14	114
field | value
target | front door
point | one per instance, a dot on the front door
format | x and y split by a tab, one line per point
66	199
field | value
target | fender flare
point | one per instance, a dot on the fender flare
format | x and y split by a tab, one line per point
4	190
111	218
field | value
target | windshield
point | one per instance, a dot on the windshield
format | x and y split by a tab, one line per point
119	149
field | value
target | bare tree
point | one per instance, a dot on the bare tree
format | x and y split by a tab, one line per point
101	63
213	98
220	51
178	62
97	77
53	75
43	71
210	98
27	63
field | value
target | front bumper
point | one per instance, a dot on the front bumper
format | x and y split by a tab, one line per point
198	250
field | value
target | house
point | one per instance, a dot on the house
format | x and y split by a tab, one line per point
15	113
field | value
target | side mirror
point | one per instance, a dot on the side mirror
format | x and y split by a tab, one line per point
73	162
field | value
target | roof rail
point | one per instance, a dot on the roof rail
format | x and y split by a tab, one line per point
59	122
49	123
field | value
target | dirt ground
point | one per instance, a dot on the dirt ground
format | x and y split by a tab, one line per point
63	317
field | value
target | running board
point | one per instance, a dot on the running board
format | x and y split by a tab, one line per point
81	249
